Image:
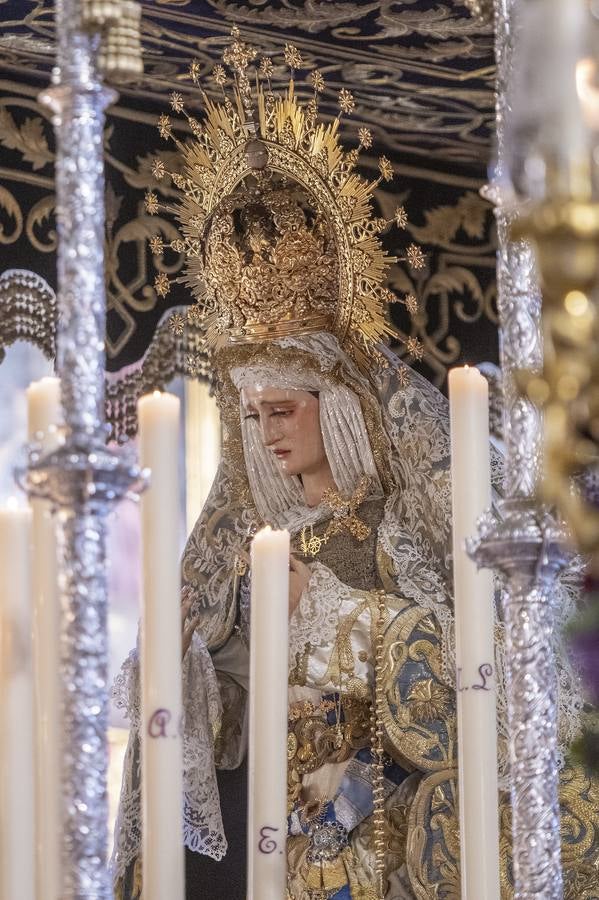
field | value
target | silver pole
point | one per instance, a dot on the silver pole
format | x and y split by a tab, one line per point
525	544
82	478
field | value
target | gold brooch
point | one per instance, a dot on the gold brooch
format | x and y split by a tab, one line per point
345	518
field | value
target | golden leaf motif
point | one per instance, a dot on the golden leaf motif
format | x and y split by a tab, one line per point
473	211
444	222
36	217
28	139
457	279
12	208
34	143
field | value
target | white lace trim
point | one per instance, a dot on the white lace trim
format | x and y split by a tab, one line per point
315	620
202	821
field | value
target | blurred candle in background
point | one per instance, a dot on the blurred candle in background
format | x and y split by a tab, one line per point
44	414
17	803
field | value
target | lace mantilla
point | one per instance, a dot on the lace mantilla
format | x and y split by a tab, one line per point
279	498
202	822
315	620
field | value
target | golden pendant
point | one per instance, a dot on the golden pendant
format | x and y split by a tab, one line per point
311	546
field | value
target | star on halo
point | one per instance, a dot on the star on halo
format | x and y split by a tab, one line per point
176	101
151	203
219	76
365	138
411	304
158	169
164	126
157	245
162	284
415	348
194	71
317	81
293	57
401	217
416	257
266	67
347	103
177	324
385	168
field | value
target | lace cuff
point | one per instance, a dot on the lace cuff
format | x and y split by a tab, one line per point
202	822
331	629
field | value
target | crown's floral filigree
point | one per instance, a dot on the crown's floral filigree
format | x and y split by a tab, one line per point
365	138
401	217
276	224
157	245
316	79
266	67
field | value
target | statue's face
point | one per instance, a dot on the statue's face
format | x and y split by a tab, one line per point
289	426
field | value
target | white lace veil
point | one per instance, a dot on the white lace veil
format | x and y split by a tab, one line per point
278	497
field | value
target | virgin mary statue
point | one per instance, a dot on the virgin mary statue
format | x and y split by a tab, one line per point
330	436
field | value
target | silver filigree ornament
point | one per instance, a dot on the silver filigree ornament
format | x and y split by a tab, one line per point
524	542
83	478
327	840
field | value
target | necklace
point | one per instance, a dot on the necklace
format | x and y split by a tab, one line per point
344	518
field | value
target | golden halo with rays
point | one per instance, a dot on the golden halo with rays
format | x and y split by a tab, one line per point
250	135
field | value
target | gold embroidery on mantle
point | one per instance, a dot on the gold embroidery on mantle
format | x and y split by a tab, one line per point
433	848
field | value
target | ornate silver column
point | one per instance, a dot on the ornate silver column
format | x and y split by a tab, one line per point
82	478
525	544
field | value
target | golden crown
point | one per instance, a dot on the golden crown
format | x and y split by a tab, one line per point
277	227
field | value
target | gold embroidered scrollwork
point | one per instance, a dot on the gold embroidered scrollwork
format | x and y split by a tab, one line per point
433	837
419	713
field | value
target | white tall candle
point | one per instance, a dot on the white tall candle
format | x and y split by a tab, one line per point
43	406
44	414
267	795
474	625
202	446
17	829
161	745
